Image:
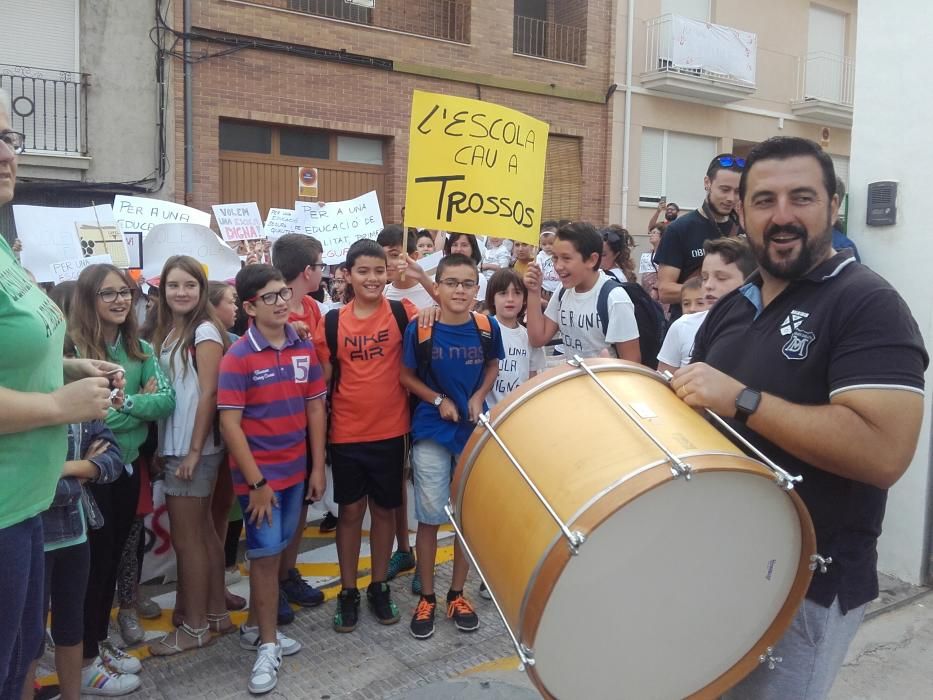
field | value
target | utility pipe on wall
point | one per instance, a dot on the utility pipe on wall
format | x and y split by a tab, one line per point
627	129
189	119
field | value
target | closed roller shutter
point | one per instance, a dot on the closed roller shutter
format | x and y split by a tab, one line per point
563	179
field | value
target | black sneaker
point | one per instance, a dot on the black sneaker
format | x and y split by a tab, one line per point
422	622
348	610
461	612
380	602
328	523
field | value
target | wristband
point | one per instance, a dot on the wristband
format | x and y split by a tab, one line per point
258	485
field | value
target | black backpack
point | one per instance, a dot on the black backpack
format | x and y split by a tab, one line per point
331	323
649	316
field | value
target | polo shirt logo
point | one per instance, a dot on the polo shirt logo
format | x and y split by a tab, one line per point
263	375
799	344
793	321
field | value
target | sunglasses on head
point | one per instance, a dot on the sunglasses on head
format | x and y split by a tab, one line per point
729	161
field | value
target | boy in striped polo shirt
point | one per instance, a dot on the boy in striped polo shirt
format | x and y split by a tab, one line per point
270	394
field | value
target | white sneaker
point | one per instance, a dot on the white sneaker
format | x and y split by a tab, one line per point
97	679
265	673
231	576
118	660
249	639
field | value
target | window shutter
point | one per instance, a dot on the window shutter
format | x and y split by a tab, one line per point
688	157
694	9
841	165
563	179
651	183
40	34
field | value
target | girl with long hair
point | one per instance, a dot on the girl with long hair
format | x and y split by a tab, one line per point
616	260
102	326
190	341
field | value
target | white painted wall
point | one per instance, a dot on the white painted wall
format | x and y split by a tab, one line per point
891	141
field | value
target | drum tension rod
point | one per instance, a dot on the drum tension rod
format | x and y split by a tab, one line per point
574	538
784	479
525	654
678	466
821	563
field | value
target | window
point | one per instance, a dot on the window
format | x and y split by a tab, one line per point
552	29
673	165
693	9
335	9
563	186
305	144
251	138
352	149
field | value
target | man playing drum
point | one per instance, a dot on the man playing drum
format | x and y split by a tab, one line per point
818	362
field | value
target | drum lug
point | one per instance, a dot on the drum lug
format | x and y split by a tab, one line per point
576	540
821	563
526	655
680	468
769	657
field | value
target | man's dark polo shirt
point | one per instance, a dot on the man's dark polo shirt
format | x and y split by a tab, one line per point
842	327
681	246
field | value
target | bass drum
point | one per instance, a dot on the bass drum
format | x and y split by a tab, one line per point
681	585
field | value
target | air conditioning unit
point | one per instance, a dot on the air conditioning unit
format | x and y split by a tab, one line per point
362	3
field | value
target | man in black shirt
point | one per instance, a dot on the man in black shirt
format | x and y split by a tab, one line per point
817	361
680	253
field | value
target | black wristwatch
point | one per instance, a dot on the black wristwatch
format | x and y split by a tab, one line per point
258	485
746	403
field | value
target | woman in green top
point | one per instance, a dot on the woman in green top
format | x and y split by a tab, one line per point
35	408
102	325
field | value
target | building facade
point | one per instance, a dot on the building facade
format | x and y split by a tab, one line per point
275	85
90	91
714	76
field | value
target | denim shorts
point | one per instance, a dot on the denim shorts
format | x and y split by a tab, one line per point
265	540
201	483
433	467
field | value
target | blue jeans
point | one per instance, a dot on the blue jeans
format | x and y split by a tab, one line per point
433	467
811	652
265	540
22	584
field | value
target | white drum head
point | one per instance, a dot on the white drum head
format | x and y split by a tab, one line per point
671	591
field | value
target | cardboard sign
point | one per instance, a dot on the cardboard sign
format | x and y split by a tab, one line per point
307	182
239	222
141	214
165	240
65	270
103	240
50	234
134	249
430	262
281	221
475	167
338	225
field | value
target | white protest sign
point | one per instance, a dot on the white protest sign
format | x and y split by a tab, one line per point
430	262
281	221
141	214
200	242
134	249
70	269
239	222
338	225
50	234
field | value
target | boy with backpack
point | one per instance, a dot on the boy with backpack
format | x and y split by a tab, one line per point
594	313
450	368
360	349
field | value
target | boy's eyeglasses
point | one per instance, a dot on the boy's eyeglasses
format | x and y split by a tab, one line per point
108	296
452	284
269	298
317	266
15	140
730	161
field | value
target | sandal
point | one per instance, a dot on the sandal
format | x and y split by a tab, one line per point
163	648
220	624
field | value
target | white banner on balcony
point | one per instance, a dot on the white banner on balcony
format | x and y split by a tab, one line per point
713	48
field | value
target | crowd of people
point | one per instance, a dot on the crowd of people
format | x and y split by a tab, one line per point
252	398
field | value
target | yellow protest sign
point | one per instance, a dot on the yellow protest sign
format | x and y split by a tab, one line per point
474	167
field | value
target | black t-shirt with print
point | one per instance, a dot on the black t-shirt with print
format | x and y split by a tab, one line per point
841	327
682	246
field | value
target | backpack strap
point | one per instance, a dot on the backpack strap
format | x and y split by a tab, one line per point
401	315
331	323
423	351
602	303
484	328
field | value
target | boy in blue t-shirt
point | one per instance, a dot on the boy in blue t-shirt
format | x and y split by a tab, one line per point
451	399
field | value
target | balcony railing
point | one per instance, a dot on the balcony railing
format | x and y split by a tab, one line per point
543	39
691	48
439	19
827	77
49	107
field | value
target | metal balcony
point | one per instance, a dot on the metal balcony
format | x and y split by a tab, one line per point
550	40
825	88
49	107
698	59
